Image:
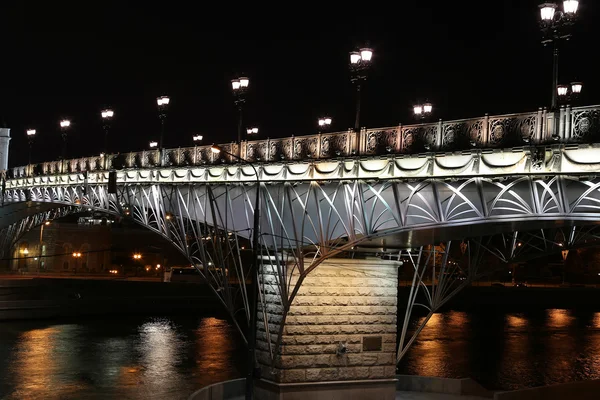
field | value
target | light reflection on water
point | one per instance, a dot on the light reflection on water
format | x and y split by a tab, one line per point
508	350
147	358
169	358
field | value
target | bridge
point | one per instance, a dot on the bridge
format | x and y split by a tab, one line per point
340	213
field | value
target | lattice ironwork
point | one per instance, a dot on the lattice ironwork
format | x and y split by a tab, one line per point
12	233
304	223
585	125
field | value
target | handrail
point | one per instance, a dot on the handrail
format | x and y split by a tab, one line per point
568	124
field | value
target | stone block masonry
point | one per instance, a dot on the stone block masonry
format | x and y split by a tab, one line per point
341	326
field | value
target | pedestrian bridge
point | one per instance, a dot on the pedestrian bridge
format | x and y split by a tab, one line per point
494	185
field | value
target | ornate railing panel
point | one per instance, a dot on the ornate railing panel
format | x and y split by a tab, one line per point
585	124
577	125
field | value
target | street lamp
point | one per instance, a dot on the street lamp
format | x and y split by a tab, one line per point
423	111
324	123
30	136
197	138
253	274
569	92
163	106
106	118
46	223
137	256
252	131
239	86
64	127
153	144
556	26
360	64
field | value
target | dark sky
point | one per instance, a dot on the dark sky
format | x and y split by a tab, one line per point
467	57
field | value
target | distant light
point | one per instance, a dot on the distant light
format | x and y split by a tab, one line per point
547	11
366	54
354	57
427	108
576	87
418	110
163	101
153	144
321	122
327	121
244	82
235	84
107	114
47	223
65	123
30	132
215	149
157	266
562	90
570	6
252	131
197	138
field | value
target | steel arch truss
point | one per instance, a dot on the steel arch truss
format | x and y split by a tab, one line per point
442	270
11	234
304	223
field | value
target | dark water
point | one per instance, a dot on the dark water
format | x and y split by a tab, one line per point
504	350
169	358
133	358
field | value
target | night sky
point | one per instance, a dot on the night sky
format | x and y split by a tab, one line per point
466	57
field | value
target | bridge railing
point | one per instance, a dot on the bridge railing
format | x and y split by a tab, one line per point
577	125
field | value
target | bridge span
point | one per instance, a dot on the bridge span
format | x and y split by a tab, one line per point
339	214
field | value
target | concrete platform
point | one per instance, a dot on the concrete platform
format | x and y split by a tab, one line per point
434	396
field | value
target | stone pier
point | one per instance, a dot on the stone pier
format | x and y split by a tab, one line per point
339	337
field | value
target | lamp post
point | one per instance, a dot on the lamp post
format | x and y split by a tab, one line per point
324	123
64	128
253	274
30	136
76	256
239	86
197	138
556	26
360	64
46	223
163	105
153	144
106	118
422	111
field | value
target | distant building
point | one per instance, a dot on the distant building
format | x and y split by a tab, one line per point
94	245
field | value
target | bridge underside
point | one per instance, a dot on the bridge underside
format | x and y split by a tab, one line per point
313	301
11	213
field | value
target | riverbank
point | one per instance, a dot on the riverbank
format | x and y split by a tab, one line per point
522	298
58	297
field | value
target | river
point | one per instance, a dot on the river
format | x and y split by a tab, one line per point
170	357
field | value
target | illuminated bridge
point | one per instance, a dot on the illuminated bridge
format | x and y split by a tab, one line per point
339	212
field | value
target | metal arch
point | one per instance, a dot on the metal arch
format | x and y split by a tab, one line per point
11	234
304	223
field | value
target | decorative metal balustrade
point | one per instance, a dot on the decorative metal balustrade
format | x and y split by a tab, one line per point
568	125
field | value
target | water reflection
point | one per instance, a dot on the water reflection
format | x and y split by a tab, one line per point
437	343
510	350
148	358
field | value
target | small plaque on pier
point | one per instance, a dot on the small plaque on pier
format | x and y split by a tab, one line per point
372	343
